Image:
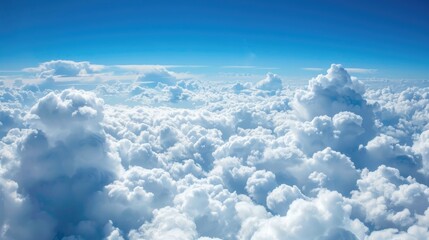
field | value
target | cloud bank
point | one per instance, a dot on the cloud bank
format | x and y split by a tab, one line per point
162	157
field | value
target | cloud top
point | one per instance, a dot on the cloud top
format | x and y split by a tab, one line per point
164	157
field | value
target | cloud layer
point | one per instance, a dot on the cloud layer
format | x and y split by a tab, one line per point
164	157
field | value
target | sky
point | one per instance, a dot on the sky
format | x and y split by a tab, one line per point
209	120
286	36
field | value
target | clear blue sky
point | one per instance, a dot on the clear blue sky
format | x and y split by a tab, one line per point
389	35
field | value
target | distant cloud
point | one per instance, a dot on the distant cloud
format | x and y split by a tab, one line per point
249	67
10	71
160	75
312	69
268	68
349	70
239	66
68	68
148	67
271	82
64	68
361	70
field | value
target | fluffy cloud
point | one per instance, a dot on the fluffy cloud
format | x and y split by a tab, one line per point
386	150
163	157
333	93
260	184
168	223
387	200
9	118
153	77
82	111
64	68
421	146
271	82
281	197
325	217
61	164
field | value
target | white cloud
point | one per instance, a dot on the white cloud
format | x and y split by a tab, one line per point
260	184
281	197
168	223
153	77
147	67
64	68
350	70
421	146
362	70
321	217
388	200
329	94
239	66
271	82
168	157
312	69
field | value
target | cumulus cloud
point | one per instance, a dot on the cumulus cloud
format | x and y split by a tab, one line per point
385	199
9	118
61	163
329	94
281	197
168	223
325	217
421	146
166	157
64	68
154	76
271	82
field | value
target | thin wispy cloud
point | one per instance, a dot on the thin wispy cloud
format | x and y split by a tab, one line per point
268	68
312	69
144	67
362	70
10	71
239	66
249	67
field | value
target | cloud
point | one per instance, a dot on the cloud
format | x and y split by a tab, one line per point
239	66
312	69
260	184
329	94
176	93
362	70
165	156
249	67
155	76
281	197
271	82
339	96
350	70
322	217
386	150
388	200
147	67
9	118
421	146
82	111
65	68
60	168
168	223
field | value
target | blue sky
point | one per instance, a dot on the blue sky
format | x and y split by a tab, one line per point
390	36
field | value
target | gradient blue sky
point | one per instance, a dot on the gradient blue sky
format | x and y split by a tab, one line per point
391	36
